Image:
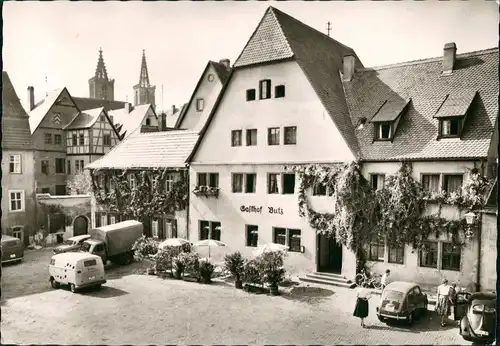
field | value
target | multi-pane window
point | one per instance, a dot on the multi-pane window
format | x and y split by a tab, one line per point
451	256
81	139
376	249
132	182
237	182
252	235
279	235
202	179
74	139
57	139
273	136
60	164
396	254
106	139
250	182
428	254
294	240
15	163
169	182
16	200
450	127
45	167
320	189
279	91
79	165
288	237
251	137
377	181
208	179
200	104
290	134
452	182
68	165
272	183
288	183
47	138
383	130
236	138
265	89
250	94
430	182
210	230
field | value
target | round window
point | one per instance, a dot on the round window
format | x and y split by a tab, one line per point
210	77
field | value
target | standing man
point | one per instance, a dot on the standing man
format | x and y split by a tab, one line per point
385	278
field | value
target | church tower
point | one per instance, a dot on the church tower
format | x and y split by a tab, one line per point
100	86
144	93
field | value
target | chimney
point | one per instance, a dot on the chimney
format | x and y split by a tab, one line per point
348	70
226	63
128	107
450	52
31	98
173	109
163	126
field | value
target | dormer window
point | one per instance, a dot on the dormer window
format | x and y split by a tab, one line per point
383	131
450	127
387	119
452	113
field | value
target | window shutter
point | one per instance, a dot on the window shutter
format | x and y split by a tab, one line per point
174	228
161	228
268	89
97	219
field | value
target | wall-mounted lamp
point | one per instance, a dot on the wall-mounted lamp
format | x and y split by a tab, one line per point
470	217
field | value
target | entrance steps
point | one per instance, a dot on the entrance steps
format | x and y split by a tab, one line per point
327	279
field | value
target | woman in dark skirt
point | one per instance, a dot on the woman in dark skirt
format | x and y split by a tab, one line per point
361	309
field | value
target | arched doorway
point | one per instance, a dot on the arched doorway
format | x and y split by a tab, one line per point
80	226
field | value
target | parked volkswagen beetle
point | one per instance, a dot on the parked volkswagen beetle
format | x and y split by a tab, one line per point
402	301
72	244
479	322
12	249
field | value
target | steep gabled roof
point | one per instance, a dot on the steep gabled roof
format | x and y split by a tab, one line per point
84	103
127	123
422	82
222	73
168	149
85	119
43	107
15	122
280	37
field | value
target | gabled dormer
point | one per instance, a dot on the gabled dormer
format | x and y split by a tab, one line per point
387	118
452	114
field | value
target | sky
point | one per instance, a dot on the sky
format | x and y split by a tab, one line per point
50	45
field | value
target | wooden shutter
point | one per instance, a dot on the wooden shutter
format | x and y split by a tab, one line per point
97	219
161	228
173	222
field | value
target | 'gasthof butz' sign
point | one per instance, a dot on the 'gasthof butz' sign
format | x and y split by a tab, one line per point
255	209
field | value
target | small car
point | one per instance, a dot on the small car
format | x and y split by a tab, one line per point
479	322
402	301
12	249
72	244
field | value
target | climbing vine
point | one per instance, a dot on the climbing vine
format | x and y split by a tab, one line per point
395	212
112	189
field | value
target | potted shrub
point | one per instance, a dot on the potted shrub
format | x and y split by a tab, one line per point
252	275
164	259
272	269
206	270
235	264
191	261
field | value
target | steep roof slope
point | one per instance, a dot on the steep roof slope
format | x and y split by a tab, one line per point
149	150
416	136
41	108
15	122
127	123
221	70
85	119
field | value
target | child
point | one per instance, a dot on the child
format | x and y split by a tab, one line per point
385	278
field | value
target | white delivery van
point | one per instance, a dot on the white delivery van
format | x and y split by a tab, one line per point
76	269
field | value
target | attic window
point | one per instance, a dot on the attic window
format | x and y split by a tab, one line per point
250	94
265	89
102	117
200	104
148	122
383	131
450	127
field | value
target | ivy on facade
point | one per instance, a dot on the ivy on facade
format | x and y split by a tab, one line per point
395	212
113	191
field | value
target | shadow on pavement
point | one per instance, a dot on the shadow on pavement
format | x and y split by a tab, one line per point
104	292
428	323
310	295
115	271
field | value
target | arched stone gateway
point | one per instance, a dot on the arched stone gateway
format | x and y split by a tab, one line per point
80	225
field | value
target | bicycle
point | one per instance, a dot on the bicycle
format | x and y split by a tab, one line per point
375	281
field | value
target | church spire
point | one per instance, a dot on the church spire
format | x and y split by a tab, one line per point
100	71
144	78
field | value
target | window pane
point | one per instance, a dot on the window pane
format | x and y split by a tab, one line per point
319	189
202	179
204	230
237	182
289	183
453	183
252	235
430	182
428	255
252	137
451	256
291	135
250	183
216	230
396	254
294	239
273	136
214	180
280	236
236	138
272	183
446	126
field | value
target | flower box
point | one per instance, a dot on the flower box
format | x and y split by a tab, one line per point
206	191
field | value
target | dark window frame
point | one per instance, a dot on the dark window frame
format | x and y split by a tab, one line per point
374	177
285	190
426	179
292	238
426	262
251	235
47	138
377	244
449	256
57	139
45	167
446	182
74	139
267	95
251	94
234	188
279	233
273	136
253	186
200	104
455	123
249	137
106	139
270	190
212	232
379	130
279	91
398	252
60	166
236	138
287	134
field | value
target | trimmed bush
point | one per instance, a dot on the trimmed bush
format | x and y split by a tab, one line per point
145	247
